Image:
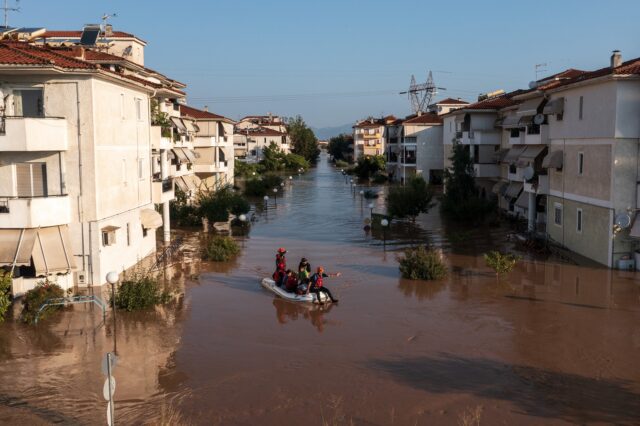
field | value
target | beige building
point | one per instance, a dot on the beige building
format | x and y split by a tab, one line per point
255	132
369	136
76	187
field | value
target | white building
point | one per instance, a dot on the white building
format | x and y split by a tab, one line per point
76	190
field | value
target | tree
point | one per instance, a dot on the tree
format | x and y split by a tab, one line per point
339	146
273	158
369	165
462	200
303	139
410	200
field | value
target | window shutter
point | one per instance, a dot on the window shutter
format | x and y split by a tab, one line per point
23	179
39	176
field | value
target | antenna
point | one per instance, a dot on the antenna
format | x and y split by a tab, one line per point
420	95
538	68
105	22
6	9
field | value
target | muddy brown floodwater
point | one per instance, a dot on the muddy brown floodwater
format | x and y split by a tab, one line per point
553	343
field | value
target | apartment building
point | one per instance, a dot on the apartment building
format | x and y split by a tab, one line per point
213	145
255	132
76	190
369	136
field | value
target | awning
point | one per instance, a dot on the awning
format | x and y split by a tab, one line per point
555	106
526	120
513	154
459	118
221	131
150	219
513	190
499	155
181	184
109	228
191	156
635	229
178	124
16	245
499	187
553	160
190	126
180	155
523	200
511	122
52	251
206	155
530	107
410	147
529	155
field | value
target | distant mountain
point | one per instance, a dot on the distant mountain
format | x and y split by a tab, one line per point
325	133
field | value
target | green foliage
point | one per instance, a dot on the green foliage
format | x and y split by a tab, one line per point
244	169
273	158
35	298
369	165
220	249
410	200
261	186
422	263
339	147
182	213
140	293
160	119
303	140
295	162
379	178
5	293
462	201
217	205
341	164
370	194
501	263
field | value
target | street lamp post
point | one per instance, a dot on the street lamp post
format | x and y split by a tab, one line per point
275	196
112	278
243	220
361	200
385	224
371	212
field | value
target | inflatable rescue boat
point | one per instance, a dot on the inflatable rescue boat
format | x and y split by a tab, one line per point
270	285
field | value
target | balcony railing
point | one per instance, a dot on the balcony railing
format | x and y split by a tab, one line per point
33	134
32	212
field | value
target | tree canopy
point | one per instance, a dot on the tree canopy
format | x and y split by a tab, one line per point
339	146
303	140
410	200
369	165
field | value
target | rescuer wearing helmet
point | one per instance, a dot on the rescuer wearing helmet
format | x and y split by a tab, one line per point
316	285
279	276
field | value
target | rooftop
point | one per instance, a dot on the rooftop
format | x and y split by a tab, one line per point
199	114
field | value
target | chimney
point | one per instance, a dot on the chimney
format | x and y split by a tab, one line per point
419	113
78	52
616	59
206	108
108	30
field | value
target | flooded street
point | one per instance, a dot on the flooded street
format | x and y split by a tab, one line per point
552	343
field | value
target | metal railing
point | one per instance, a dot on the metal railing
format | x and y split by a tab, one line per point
74	300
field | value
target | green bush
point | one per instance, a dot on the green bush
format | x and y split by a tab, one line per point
241	168
216	206
182	213
139	293
409	200
369	166
501	263
5	293
422	264
35	298
341	164
220	249
259	187
379	178
295	162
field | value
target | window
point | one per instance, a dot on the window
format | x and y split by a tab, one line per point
450	126
557	214
580	163
579	220
31	179
128	234
580	107
140	168
513	169
28	103
139	109
144	232
108	237
515	133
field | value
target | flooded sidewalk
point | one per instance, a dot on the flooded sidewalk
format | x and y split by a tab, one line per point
552	343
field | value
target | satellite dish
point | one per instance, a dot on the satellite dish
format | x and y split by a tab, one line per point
538	119
623	220
528	173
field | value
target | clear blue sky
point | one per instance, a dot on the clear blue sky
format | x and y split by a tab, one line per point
334	61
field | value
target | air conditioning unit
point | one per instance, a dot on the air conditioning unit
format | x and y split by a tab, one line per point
81	278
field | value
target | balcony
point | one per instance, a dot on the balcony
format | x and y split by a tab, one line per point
536	135
162	191
222	167
480	137
481	170
372	136
26	134
516	138
158	141
540	187
34	212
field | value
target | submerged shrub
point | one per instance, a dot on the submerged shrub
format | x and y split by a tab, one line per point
5	293
422	264
501	263
140	293
259	187
220	249
36	297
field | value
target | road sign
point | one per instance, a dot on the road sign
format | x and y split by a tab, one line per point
106	392
114	362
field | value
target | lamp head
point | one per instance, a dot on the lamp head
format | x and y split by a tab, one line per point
112	277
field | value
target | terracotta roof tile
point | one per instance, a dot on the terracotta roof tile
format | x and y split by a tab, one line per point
451	101
260	131
21	53
425	118
78	34
200	114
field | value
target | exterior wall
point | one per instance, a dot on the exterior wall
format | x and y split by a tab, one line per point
594	240
429	149
134	47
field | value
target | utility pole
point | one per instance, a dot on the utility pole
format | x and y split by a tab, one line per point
6	9
540	68
421	95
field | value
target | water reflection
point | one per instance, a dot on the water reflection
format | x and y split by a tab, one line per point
289	311
422	290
